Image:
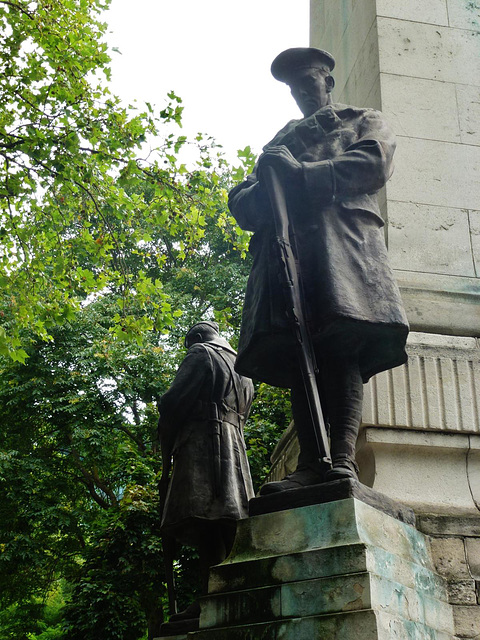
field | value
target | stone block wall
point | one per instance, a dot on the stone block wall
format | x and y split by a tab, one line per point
457	559
419	62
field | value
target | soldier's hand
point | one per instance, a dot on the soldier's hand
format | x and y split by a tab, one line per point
282	161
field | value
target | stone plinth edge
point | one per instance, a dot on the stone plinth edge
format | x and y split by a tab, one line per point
330	492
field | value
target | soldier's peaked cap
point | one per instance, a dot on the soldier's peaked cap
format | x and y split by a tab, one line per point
287	62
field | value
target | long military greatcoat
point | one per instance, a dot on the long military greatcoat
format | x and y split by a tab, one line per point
211	477
352	298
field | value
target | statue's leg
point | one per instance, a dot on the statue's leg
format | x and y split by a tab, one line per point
343	386
215	540
302	419
215	544
309	470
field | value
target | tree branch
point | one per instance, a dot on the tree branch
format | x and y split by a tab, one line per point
92	481
18	7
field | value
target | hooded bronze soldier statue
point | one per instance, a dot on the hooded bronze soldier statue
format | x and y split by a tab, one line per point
201	430
331	164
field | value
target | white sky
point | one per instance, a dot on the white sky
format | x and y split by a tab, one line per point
215	55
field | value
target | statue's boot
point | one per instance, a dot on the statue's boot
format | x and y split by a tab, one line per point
342	467
303	476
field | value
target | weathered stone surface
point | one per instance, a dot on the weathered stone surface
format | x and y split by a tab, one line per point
429	11
364	76
276	570
364	625
428	51
374	101
419	578
430	239
395	627
384	595
462	592
468	100
304	600
440	303
359	625
474	217
428	108
464	15
472	548
467	621
439	525
344	29
242	607
450	558
444	182
297	599
324	563
327	525
443	344
356	573
427	470
323	596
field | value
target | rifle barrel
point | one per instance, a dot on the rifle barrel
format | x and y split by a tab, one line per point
296	307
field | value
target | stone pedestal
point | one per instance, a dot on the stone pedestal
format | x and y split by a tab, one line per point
334	571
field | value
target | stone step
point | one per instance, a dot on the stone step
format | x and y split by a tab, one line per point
321	596
334	524
322	563
355	625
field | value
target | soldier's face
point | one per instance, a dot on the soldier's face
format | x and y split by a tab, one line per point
310	90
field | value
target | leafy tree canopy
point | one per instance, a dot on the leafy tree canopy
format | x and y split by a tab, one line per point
73	202
106	259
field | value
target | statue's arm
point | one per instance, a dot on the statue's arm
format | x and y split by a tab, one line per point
249	204
363	168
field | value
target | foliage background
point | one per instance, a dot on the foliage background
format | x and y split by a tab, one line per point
111	247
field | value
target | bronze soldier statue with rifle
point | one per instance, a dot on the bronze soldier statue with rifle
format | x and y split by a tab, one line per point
322	311
206	483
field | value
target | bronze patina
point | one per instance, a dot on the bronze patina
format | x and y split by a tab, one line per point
330	166
206	483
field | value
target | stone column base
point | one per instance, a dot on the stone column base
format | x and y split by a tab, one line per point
333	571
432	472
